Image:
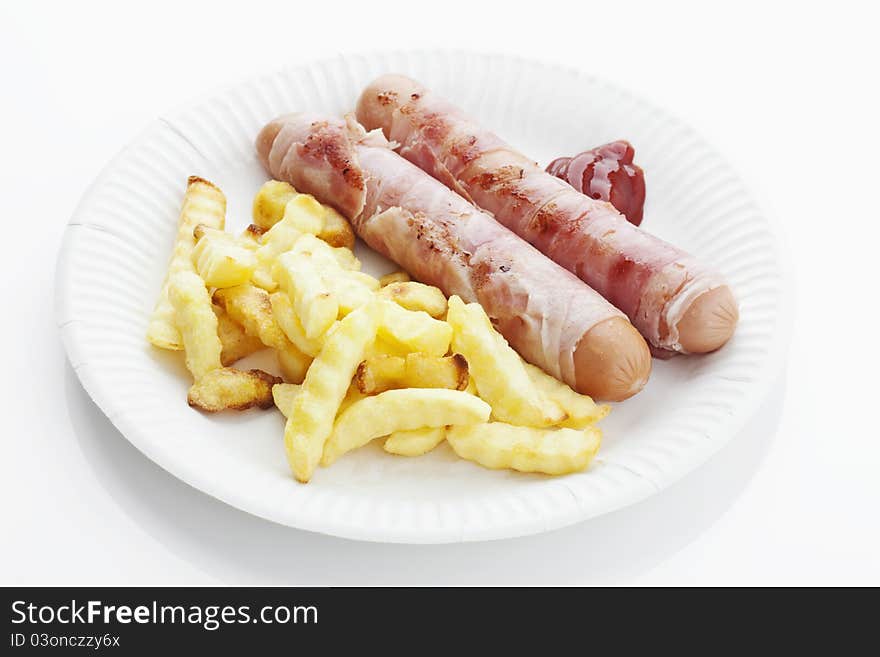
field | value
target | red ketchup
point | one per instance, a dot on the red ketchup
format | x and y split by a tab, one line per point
606	173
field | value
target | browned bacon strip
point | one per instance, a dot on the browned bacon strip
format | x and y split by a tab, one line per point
553	319
676	302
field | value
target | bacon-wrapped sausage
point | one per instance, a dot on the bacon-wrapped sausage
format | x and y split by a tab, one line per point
553	319
606	173
676	302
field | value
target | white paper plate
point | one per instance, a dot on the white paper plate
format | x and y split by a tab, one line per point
118	242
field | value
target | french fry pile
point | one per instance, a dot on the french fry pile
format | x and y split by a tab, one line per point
361	358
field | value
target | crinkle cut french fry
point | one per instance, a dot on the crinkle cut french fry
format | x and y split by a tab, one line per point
497	369
283	395
270	202
380	373
413	331
231	389
338	269
313	302
203	203
401	410
416	370
197	323
221	259
394	277
235	340
581	409
282	310
337	231
250	306
414	442
499	445
303	217
424	371
327	381
416	296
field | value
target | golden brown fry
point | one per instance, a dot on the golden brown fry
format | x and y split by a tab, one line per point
325	387
203	203
424	371
270	201
221	259
313	301
394	277
196	321
498	445
250	306
303	216
416	296
236	342
400	410
498	370
323	281
380	373
230	389
337	231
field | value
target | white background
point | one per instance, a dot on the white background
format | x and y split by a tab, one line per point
788	93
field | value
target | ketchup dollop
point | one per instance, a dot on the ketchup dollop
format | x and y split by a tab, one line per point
606	173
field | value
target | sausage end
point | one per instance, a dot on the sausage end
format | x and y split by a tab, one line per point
264	142
709	322
381	97
612	361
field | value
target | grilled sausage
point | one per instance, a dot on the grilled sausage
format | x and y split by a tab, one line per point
547	314
676	302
